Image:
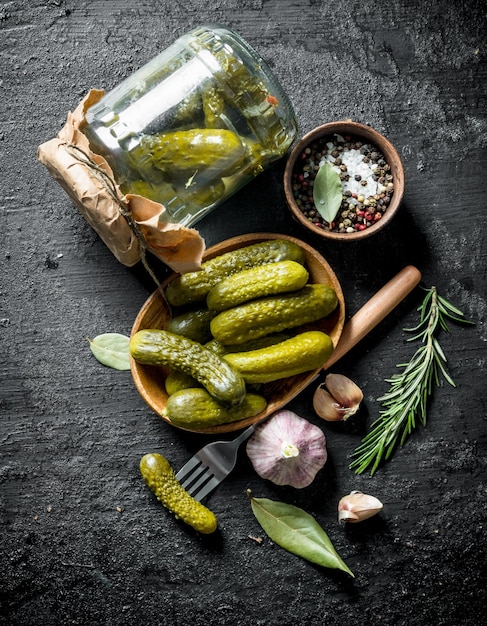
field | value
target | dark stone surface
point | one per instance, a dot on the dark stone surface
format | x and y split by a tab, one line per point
82	540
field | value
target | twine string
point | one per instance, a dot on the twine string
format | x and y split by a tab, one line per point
80	155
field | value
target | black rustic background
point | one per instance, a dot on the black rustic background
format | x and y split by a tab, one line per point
83	541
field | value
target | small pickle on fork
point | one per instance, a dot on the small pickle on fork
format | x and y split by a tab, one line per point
161	480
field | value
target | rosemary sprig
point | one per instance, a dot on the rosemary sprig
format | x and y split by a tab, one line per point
406	401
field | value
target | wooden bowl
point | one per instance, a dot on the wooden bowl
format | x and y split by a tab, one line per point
149	380
367	135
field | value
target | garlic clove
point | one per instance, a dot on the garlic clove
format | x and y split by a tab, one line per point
337	398
287	450
327	408
344	390
357	507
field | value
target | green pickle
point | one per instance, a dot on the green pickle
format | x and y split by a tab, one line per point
161	480
273	314
193	324
184	152
194	409
193	287
303	353
161	348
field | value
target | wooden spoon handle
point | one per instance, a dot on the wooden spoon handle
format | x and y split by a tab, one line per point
374	311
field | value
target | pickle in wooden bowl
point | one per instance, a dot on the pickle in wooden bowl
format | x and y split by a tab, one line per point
157	312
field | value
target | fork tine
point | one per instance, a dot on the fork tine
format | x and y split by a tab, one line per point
207	468
193	476
206	489
195	481
188	468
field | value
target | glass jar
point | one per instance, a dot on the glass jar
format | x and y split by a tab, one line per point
194	125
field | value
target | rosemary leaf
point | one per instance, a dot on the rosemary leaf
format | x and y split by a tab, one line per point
404	405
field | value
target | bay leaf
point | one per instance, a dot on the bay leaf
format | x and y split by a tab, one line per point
297	532
327	192
112	350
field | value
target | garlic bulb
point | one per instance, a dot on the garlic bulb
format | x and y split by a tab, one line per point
340	399
287	450
357	506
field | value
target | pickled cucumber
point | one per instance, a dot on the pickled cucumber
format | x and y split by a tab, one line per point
273	314
304	352
193	287
194	325
257	282
159	347
195	409
176	380
161	480
184	152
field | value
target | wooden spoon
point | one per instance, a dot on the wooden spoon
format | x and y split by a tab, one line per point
374	311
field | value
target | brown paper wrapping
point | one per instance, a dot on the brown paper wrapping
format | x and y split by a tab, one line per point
128	224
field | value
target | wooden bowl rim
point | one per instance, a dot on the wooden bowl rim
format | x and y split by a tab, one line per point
359	130
239	241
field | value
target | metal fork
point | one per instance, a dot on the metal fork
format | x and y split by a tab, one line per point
208	467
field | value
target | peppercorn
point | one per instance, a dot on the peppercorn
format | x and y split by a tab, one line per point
351	215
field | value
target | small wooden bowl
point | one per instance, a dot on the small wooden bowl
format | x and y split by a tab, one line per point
149	380
361	132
